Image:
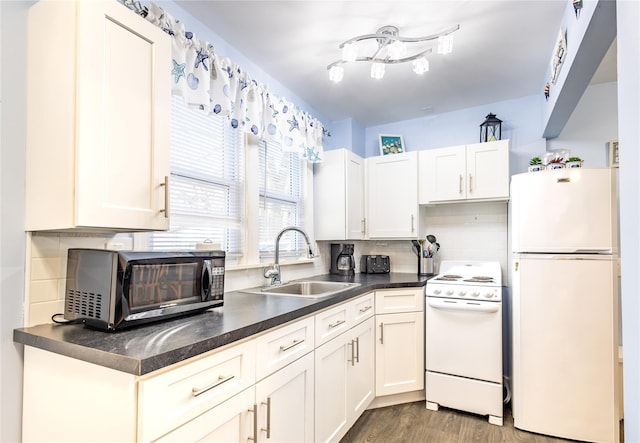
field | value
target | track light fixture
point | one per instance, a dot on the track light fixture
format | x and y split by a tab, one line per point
391	48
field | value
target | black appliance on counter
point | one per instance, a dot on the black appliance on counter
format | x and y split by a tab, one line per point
375	264
342	261
111	290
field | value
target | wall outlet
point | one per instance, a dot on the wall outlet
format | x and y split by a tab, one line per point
119	244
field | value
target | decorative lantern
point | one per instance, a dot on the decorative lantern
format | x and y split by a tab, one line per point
491	129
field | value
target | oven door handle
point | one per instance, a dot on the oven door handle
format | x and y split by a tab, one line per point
463	305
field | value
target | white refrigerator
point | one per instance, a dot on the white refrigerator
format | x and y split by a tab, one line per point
565	304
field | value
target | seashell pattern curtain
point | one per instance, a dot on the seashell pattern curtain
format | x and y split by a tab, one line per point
219	86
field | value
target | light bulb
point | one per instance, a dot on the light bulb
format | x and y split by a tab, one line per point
349	52
336	74
420	65
445	44
377	70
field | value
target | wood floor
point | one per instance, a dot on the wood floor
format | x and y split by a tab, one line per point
413	422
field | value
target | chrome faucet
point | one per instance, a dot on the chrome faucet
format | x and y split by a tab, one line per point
273	272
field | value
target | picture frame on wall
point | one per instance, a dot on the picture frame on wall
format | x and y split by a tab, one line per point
390	144
614	154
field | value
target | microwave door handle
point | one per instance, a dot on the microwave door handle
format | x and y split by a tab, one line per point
206	280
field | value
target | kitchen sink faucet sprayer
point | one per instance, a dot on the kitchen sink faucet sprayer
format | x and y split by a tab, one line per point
273	272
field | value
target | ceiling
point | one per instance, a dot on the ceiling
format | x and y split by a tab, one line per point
502	51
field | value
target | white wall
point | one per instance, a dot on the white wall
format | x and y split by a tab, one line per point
12	236
593	123
628	17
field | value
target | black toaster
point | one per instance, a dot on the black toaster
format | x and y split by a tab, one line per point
374	264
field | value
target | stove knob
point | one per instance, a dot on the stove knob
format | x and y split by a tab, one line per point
489	295
475	293
449	292
437	291
462	293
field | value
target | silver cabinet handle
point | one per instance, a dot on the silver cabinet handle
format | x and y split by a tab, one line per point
166	196
254	411
470	183
381	333
363	223
221	379
336	324
412	227
353	353
365	309
357	349
294	343
460	185
268	430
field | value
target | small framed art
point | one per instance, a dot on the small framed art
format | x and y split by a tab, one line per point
614	154
390	144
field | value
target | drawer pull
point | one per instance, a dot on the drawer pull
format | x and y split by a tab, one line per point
254	411
357	358
221	379
365	309
336	324
268	428
295	343
353	353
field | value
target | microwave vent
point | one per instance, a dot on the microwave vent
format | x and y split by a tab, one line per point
84	304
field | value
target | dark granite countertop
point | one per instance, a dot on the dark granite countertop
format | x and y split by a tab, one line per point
146	348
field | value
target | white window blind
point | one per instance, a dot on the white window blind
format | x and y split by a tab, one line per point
282	190
206	184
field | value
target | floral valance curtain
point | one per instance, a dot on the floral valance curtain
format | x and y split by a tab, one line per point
219	86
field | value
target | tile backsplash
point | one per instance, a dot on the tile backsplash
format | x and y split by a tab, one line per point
467	231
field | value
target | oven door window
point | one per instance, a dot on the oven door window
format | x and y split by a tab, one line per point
163	284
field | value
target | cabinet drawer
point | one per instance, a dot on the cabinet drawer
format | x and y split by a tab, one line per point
362	308
278	348
169	400
332	322
399	300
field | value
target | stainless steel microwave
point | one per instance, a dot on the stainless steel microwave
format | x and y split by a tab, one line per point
110	290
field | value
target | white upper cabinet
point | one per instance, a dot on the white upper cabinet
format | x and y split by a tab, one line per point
98	117
393	196
478	171
338	183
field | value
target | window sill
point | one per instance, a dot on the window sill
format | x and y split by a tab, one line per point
303	261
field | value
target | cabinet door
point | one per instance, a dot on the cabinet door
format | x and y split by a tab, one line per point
393	196
361	370
122	118
331	411
399	353
339	196
442	174
285	403
230	422
355	197
488	170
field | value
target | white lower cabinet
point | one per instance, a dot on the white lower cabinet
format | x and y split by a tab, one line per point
344	381
399	341
275	387
285	403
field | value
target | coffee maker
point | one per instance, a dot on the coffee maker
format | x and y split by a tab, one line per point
342	261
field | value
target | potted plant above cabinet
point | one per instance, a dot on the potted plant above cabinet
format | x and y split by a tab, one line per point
535	165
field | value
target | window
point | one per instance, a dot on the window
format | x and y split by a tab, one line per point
282	190
207	183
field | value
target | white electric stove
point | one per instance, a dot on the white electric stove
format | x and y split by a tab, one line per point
463	338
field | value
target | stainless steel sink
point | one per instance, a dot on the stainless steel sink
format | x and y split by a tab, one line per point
306	288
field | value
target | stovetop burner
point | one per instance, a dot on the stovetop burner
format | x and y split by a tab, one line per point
469	272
